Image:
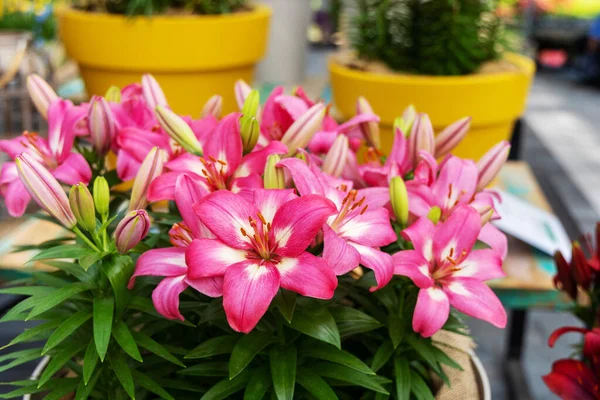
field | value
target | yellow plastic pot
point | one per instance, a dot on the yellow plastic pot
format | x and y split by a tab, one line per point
193	57
494	101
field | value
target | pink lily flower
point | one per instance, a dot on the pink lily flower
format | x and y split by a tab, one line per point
361	224
55	153
223	165
261	244
448	272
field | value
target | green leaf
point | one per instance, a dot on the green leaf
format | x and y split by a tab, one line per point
286	302
419	387
34	333
283	370
226	387
67	328
84	389
443	358
19	357
122	372
149	384
64	251
425	349
351	321
258	385
59	360
16	313
317	323
209	368
152	346
123	336
63	390
214	347
73	269
345	374
327	352
402	374
315	385
103	319
57	297
145	305
28	290
382	355
119	271
31	388
395	329
90	360
246	349
90	259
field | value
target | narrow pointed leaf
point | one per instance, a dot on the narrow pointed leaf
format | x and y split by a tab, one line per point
419	387
315	385
71	268
118	271
382	355
154	347
402	374
283	361
227	387
327	352
258	385
286	302
443	358
90	259
17	312
84	389
149	384
63	390
90	360
214	347
351	321
58	361
66	329
123	336
211	368
395	329
425	349
19	357
317	323
34	333
345	374
28	290
103	319
57	297
246	349
123	373
64	251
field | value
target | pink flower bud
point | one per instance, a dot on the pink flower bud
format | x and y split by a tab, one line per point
370	130
153	94
421	138
242	90
45	189
150	169
450	137
304	128
336	157
101	124
41	93
490	164
213	107
131	230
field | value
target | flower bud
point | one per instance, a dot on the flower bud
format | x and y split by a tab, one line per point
178	130
152	92
421	138
434	214
580	268
82	204
301	156
45	189
250	133
274	177
490	164
564	280
242	90
101	124
101	196
41	93
304	128
450	137
150	169
370	130
113	94
251	104
405	122
214	107
399	199
131	230
336	157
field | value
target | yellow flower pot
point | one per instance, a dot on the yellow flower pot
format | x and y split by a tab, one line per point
494	101
192	56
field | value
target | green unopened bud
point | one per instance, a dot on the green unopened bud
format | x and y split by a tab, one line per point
101	196
82	205
251	104
113	94
274	177
434	214
405	122
178	130
399	199
302	156
249	131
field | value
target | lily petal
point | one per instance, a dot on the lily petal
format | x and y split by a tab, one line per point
481	264
307	275
378	261
211	287
475	298
169	261
304	179
166	297
431	311
207	258
225	143
571	380
371	228
338	253
411	263
73	170
420	234
459	232
188	191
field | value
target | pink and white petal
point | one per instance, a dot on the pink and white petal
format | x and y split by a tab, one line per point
73	170
342	257
293	105
186	162
248	290
252	181
268	201
16	198
375	176
399	153
321	142
207	258
298	221
255	162
304	179
166	297
225	143
163	187
457	234
481	264
475	298
456	182
203	127
138	142
189	190
421	234
371	228
410	263
378	261
356	121
127	166
420	199
375	197
14	147
211	287
307	275
227	215
169	261
431	311
494	238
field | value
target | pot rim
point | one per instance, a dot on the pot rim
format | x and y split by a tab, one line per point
525	65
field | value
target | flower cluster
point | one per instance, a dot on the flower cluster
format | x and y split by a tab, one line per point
257	207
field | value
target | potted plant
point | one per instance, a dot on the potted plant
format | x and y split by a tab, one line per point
193	48
268	274
442	56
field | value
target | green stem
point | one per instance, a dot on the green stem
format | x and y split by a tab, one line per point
104	234
85	239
